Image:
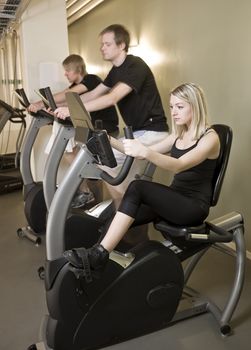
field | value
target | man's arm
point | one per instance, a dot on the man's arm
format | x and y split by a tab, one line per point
109	98
60	96
99	98
100	90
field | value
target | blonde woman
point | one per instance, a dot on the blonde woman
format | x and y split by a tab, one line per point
193	148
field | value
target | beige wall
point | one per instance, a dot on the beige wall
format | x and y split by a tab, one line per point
44	45
42	38
204	41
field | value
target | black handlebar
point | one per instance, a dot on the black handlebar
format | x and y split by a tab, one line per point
46	92
215	234
46	105
218	234
50	98
114	181
24	100
44	114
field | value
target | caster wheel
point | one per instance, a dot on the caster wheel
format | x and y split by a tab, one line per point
20	233
41	273
32	347
226	330
38	241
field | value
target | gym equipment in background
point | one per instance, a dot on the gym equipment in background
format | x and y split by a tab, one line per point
34	203
10	177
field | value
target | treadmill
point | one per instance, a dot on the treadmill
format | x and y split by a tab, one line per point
10	176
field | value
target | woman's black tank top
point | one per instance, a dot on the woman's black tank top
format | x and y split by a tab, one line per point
197	181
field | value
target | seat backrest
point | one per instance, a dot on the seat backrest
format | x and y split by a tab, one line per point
225	136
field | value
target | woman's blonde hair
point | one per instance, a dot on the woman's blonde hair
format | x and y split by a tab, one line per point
193	95
75	63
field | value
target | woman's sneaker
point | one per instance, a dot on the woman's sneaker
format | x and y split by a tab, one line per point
81	199
89	262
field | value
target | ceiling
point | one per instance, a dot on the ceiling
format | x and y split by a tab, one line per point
75	9
8	11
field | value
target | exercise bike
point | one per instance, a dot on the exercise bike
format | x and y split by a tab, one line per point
147	283
34	203
93	219
38	195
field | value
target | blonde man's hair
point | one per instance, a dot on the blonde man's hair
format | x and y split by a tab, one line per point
75	63
194	95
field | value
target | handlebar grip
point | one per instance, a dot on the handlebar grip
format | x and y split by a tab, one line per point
128	132
114	181
219	234
25	103
50	98
66	122
44	114
216	235
42	92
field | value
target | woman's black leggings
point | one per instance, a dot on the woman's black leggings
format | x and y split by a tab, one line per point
145	201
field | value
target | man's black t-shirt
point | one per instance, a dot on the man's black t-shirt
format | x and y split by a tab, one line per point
108	115
142	107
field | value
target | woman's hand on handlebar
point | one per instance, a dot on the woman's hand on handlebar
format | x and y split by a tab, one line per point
62	112
134	148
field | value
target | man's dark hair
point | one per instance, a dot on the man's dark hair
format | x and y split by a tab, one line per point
121	34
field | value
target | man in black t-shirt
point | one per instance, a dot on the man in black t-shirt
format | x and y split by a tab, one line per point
141	107
131	86
80	82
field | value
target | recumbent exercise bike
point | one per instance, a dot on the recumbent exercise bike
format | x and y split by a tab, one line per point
148	282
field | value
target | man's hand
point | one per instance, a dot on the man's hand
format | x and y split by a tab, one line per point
34	107
62	112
